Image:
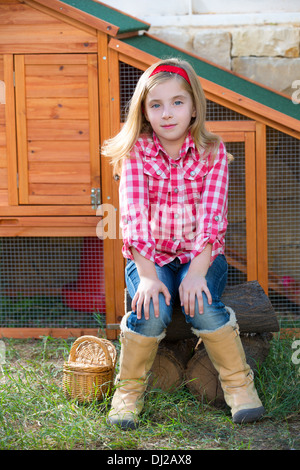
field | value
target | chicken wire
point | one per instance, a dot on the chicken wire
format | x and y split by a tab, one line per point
283	205
51	282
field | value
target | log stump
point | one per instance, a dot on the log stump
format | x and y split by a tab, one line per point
181	360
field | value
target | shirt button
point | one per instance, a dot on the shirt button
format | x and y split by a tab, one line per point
158	172
217	218
192	173
176	190
176	216
174	239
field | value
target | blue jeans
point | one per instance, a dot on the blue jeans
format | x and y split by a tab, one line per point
214	315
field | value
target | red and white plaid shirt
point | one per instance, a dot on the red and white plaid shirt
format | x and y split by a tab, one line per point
173	208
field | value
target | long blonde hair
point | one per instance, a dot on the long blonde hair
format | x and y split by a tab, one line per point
118	147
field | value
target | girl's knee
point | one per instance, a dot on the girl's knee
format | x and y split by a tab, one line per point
153	326
213	317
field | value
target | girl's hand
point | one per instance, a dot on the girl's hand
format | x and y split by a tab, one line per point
149	288
191	288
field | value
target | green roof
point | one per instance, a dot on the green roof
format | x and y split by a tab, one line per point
218	75
125	23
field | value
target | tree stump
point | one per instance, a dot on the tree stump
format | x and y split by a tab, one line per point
168	369
179	361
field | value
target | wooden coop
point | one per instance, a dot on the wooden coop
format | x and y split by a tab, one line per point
67	71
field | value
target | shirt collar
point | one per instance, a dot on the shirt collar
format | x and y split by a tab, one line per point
187	145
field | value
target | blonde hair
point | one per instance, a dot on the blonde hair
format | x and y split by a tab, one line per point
118	147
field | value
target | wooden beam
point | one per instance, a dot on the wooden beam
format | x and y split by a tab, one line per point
21	128
21	333
10	121
261	206
250	206
106	178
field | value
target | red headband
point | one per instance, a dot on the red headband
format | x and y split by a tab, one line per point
171	69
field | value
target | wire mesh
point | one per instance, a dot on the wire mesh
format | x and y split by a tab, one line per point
129	77
283	204
51	282
236	240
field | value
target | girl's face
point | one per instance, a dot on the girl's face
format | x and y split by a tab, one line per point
169	109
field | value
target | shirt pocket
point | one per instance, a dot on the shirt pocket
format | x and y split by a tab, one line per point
194	175
158	174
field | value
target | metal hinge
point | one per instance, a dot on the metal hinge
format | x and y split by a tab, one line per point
95	198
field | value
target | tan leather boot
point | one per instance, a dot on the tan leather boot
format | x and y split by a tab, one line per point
225	350
136	358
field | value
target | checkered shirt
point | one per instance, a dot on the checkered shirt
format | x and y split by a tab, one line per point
173	208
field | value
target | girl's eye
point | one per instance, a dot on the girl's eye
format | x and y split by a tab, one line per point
156	105
177	102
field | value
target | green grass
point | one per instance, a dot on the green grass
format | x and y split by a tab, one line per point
35	415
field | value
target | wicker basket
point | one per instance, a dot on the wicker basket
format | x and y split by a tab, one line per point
89	372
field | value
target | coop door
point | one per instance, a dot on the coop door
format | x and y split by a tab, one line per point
241	236
57	128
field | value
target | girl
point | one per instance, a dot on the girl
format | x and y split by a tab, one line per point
173	204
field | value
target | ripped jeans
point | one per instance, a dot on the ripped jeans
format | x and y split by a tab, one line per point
214	315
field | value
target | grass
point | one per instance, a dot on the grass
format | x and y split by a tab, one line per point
35	415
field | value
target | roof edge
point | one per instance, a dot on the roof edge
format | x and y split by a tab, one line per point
71	10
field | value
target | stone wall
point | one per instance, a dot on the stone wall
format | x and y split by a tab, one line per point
258	39
268	54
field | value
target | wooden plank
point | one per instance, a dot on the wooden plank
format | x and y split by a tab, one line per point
3	157
57	108
51	87
251	206
60	33
58	71
49	221
230	126
50	48
3	198
66	151
106	178
114	86
21	128
54	129
22	333
47	210
55	59
261	206
94	128
3	178
65	189
10	119
58	200
59	231
67	172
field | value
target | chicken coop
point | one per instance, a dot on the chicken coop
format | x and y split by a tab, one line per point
67	71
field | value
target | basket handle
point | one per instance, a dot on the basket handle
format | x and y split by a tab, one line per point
82	339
